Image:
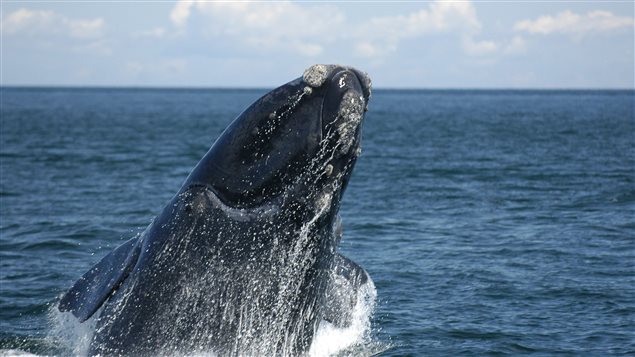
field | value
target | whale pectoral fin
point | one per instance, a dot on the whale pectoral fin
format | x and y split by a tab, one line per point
93	288
346	280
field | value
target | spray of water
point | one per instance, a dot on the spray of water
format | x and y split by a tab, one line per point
16	353
73	338
331	340
70	336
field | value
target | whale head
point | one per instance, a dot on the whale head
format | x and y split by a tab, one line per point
295	143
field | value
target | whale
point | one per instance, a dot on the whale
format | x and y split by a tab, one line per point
244	259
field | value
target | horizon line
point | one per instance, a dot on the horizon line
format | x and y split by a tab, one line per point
221	87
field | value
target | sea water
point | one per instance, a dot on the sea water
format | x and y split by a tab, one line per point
492	222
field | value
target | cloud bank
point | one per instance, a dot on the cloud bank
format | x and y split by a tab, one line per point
32	22
284	26
309	30
436	43
568	22
54	30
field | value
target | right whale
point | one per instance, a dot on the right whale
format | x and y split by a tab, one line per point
243	260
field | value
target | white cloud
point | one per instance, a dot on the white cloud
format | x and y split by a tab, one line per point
516	46
367	49
568	22
439	17
284	25
478	48
48	29
24	20
311	30
181	12
85	28
43	23
383	34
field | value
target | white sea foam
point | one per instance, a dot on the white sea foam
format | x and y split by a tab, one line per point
16	353
69	334
330	339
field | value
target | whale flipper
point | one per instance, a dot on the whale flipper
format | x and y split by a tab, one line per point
346	280
93	288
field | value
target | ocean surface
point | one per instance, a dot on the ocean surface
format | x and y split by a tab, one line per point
493	223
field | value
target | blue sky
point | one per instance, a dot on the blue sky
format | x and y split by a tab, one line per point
407	44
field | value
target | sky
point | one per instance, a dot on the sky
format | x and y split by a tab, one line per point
401	44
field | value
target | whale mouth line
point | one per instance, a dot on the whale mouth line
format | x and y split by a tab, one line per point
237	213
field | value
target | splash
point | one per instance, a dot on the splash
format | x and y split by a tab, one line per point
330	340
16	353
248	311
72	337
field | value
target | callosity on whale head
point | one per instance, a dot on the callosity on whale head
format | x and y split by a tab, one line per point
299	136
243	259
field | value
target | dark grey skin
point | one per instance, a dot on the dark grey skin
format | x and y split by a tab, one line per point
243	260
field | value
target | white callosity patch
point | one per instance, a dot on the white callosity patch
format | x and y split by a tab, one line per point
316	75
329	170
351	112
